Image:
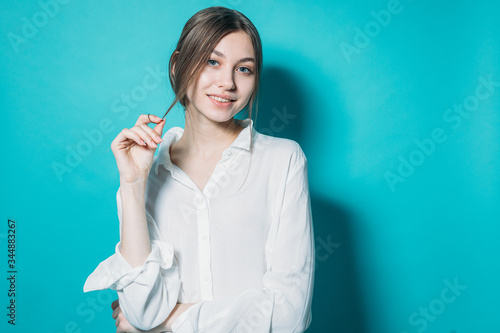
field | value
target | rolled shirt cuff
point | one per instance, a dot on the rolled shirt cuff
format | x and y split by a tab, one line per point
116	273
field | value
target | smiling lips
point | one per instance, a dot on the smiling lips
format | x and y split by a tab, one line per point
221	99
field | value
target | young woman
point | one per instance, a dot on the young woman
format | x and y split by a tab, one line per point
216	230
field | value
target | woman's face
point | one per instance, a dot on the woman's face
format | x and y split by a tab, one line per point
227	81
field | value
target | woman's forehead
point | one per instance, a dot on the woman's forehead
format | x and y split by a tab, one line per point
235	45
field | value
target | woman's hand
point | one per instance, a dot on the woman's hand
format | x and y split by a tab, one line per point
134	148
122	324
179	308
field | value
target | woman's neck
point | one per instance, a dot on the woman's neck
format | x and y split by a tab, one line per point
206	139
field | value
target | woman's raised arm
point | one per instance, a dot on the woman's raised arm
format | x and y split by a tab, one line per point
134	151
143	270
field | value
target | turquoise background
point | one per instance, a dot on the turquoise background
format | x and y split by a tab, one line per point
387	247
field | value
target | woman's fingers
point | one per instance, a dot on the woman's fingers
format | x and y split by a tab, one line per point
132	135
114	304
152	133
146	119
145	135
159	127
121	323
116	312
149	135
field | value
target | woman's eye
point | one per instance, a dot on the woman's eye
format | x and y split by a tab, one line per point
212	62
245	70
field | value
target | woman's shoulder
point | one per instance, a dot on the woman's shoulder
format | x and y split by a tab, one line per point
281	148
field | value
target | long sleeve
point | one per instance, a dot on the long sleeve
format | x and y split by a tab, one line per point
148	293
284	304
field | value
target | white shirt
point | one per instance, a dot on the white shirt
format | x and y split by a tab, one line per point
243	249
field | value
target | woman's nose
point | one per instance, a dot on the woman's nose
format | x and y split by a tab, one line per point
225	79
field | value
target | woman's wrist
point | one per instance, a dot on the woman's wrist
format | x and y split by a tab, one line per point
124	181
171	318
179	309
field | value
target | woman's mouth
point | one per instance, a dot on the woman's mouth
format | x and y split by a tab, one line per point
219	101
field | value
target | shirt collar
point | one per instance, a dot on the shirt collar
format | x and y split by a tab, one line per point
242	141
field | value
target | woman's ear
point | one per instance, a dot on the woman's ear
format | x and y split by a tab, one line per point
174	61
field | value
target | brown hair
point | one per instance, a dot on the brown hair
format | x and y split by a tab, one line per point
200	35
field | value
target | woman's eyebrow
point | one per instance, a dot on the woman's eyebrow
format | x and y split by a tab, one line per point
220	54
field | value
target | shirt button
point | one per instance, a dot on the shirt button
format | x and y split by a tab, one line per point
206	278
204	237
200	202
227	153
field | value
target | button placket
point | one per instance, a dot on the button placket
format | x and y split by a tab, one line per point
204	251
213	186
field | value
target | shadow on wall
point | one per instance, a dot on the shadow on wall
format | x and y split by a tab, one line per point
280	105
338	303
